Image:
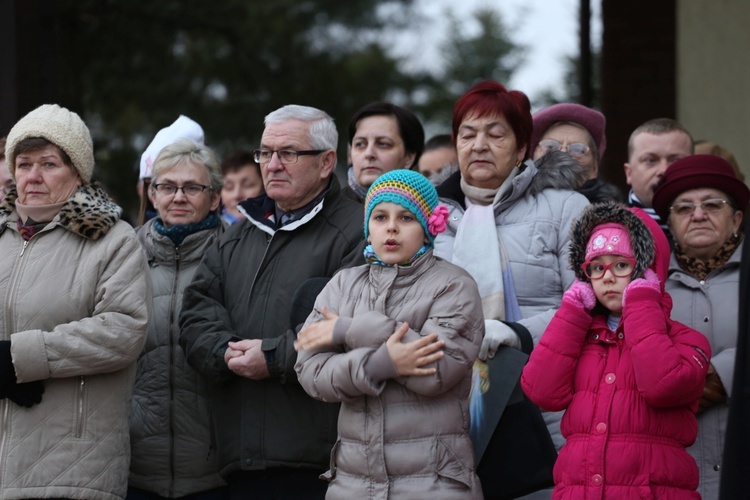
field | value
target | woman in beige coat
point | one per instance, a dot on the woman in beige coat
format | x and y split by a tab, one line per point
73	319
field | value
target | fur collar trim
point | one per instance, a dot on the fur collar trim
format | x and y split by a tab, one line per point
89	213
555	170
640	236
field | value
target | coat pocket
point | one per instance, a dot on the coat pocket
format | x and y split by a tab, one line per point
330	474
450	465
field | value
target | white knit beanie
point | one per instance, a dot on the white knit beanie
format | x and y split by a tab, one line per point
60	126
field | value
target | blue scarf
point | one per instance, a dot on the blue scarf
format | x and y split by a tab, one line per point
179	232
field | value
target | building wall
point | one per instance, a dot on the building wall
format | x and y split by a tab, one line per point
713	73
637	73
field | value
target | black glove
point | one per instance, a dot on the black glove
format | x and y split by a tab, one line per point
7	372
27	394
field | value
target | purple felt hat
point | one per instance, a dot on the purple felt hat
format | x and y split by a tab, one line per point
695	172
590	119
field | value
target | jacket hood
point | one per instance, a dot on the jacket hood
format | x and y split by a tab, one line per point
89	213
643	232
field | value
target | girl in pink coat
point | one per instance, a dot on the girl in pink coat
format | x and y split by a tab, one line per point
628	376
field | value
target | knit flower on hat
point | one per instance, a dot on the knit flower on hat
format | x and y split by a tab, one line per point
438	221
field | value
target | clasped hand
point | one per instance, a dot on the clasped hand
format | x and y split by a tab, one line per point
246	359
409	358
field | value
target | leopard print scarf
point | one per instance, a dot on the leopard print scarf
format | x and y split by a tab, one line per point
701	268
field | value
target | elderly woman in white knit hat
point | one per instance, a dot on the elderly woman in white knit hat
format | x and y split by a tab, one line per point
75	296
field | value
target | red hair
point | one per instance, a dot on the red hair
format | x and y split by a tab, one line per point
488	98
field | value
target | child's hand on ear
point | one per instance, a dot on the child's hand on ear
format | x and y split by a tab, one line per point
318	334
580	294
649	280
410	357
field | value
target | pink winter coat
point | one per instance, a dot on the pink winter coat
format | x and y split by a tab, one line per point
630	395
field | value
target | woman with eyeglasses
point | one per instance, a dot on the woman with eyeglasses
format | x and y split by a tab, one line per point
172	455
382	137
703	202
579	131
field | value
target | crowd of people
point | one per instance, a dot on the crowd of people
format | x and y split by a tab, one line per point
266	332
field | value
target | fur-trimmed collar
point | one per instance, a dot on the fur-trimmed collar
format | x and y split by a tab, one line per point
89	213
555	170
641	237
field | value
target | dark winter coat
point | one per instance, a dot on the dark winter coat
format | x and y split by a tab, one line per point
243	289
170	437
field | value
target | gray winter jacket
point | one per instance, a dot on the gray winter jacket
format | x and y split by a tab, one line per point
710	306
170	435
74	306
402	437
533	221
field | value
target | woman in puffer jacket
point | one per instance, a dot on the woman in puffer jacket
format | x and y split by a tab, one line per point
628	376
172	456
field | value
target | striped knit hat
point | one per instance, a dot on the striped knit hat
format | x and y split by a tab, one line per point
412	191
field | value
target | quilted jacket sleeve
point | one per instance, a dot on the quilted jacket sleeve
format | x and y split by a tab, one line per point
547	378
571	208
670	359
455	316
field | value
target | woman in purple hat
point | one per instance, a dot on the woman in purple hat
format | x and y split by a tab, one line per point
579	131
703	202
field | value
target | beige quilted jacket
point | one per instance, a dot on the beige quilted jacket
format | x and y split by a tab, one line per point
74	305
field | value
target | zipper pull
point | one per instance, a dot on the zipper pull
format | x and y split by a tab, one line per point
25	242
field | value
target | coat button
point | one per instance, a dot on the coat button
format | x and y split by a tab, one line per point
601	428
597	479
703	282
596	336
610	378
705	319
717	467
248	461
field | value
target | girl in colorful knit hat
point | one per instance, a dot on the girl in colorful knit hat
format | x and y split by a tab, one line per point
393	341
628	376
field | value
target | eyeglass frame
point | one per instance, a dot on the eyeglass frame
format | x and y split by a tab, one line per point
587	149
297	154
608	267
721	202
182	188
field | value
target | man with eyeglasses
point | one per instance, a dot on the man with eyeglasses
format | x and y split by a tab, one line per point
578	131
272	439
652	147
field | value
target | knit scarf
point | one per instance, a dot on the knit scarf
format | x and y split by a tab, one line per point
700	268
360	191
478	249
179	232
372	258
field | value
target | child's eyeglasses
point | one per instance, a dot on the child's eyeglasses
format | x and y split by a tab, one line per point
621	268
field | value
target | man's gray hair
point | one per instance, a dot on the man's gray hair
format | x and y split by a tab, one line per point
322	130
